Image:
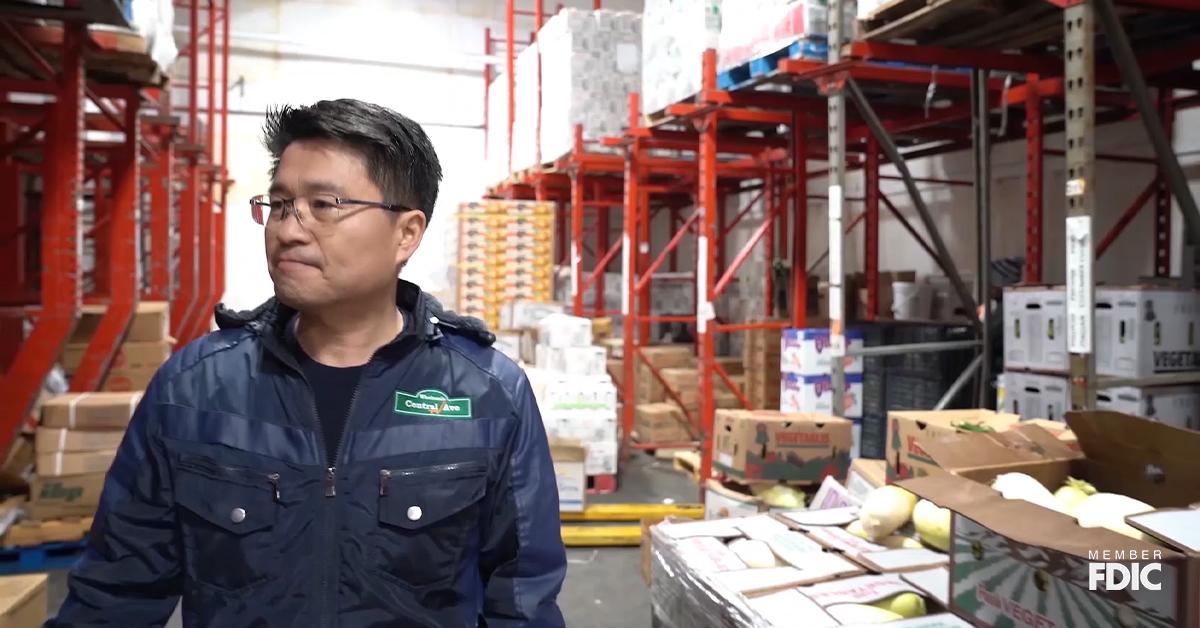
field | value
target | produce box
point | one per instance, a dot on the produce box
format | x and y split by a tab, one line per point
733	499
660	423
568	457
64	496
865	474
648	389
90	411
58	463
129	355
583	361
905	456
129	379
1143	330
1035	328
29	533
1059	429
1001	545
151	323
772	445
52	439
23	601
561	330
523	314
808	352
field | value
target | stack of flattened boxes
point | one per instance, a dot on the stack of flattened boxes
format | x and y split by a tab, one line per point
761	359
505	254
146	346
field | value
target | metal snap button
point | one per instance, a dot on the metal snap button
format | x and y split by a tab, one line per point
435	320
414	513
237	515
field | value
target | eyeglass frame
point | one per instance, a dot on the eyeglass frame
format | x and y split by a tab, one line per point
255	203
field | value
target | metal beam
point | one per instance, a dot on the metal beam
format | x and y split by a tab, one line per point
959	382
920	347
837	189
893	153
983	221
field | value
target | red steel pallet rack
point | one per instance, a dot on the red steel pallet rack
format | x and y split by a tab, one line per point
48	163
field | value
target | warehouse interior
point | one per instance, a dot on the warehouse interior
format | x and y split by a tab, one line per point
835	312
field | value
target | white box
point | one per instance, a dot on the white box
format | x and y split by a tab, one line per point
1144	330
526	314
561	330
1174	405
814	393
1016	336
583	361
569	460
509	344
578	394
601	458
1035	396
675	34
587	428
807	352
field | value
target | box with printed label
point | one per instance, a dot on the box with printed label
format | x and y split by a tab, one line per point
523	314
560	330
1035	396
772	445
586	427
568	393
1142	330
1016	338
568	457
814	393
906	457
1037	330
582	361
807	352
64	496
90	411
1178	406
601	458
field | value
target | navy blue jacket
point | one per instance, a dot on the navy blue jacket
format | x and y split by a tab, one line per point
439	509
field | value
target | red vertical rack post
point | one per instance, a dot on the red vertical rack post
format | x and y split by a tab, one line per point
706	197
871	231
1034	156
576	255
223	164
159	174
771	204
60	231
121	266
799	160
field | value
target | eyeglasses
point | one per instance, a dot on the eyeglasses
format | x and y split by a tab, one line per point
310	209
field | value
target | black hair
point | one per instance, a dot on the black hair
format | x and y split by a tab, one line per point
400	158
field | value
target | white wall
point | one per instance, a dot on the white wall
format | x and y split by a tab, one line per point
290	56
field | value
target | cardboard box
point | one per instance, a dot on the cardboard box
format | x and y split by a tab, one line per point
1016	336
1178	406
64	496
1059	429
52	439
569	457
660	423
814	393
58	463
129	379
601	458
1034	395
509	343
1042	327
129	355
23	601
586	427
721	501
1144	330
583	361
905	455
771	445
1000	544
865	475
151	323
567	393
807	352
560	330
648	389
90	411
523	314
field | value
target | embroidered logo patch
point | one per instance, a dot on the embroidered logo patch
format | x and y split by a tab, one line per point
434	403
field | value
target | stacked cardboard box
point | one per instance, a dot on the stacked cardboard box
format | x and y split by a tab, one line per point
761	353
906	458
805	381
23	601
762	27
75	444
147	345
575	394
675	34
505	254
649	389
1139	331
661	423
773	445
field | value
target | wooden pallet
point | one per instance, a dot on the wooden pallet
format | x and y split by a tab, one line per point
40	558
688	462
966	23
745	74
32	533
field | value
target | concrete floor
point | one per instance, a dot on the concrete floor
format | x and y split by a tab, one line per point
604	587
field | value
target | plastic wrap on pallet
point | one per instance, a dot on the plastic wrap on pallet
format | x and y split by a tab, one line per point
682	597
763	27
675	34
496	168
591	61
154	20
525	96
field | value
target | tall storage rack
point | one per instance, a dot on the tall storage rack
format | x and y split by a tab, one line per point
746	138
157	194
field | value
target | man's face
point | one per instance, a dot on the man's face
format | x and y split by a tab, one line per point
357	256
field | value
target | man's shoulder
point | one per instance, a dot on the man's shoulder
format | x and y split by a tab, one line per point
216	349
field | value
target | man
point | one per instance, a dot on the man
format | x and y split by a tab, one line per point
348	454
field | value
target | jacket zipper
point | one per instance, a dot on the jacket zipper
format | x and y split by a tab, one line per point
386	475
271	478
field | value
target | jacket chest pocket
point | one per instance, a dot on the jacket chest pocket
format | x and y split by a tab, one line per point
426	517
227	518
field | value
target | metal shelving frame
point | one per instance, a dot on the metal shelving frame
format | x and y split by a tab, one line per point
52	51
